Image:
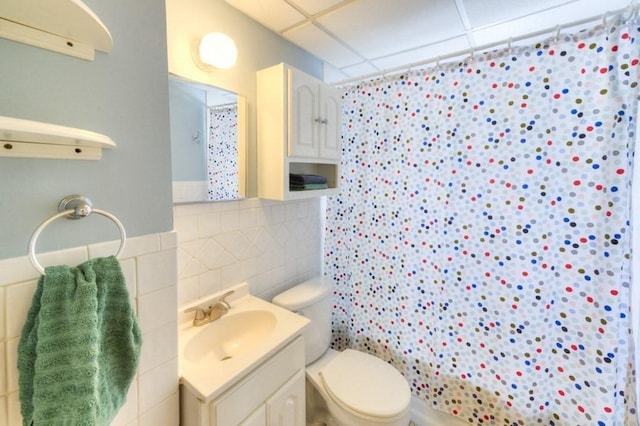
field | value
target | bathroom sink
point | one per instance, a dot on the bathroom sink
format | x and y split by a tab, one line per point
229	336
214	356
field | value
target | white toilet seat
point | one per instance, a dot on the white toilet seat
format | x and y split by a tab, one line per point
366	385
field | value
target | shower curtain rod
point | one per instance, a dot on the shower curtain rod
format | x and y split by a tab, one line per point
632	9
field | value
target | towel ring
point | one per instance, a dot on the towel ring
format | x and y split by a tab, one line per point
74	207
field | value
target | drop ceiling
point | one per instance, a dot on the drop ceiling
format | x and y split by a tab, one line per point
358	38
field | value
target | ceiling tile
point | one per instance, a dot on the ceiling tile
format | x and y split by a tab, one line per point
359	70
487	12
378	28
314	40
315	6
273	14
541	21
588	8
444	48
362	37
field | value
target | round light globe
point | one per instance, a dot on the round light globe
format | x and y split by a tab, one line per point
218	50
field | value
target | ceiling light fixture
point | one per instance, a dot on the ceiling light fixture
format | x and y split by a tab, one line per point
216	50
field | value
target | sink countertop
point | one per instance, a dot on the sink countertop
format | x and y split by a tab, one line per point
209	379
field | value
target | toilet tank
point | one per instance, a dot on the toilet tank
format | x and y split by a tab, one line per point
312	299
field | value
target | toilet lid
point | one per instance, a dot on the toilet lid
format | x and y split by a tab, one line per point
366	384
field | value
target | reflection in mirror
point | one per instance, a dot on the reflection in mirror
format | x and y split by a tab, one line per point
208	142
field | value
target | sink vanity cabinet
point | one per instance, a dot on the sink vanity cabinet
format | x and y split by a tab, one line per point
299	131
236	371
273	394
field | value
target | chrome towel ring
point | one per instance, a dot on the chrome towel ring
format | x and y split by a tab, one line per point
73	207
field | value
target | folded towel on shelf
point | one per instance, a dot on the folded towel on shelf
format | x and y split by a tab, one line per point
80	345
303	179
307	186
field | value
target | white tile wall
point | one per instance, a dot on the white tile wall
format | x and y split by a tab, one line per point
269	244
150	269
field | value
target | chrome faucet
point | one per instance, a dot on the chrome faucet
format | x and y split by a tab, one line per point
215	311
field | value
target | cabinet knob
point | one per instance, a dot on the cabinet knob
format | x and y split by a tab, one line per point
321	120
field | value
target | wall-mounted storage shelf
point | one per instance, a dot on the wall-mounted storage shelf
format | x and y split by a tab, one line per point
33	139
63	26
299	125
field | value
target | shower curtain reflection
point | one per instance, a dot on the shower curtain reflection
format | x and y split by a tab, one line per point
222	153
481	241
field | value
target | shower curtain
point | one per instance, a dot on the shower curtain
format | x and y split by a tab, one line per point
222	153
481	239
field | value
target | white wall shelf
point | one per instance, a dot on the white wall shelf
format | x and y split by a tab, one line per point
63	26
33	139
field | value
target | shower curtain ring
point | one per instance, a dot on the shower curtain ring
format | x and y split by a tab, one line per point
558	29
509	44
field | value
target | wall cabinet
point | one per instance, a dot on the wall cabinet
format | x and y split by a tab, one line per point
273	394
299	131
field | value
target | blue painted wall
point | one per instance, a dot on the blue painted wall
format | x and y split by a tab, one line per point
122	94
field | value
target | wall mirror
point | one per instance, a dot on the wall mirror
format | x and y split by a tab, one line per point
208	142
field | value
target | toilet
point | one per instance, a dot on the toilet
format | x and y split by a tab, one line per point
357	388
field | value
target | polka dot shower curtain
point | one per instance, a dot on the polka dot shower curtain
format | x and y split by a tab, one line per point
481	239
222	153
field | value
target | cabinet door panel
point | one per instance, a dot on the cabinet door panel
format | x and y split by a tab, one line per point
303	107
331	127
286	407
257	418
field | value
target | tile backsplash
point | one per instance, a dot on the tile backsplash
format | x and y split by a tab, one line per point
270	245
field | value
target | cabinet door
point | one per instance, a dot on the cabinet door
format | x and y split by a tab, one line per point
330	128
286	407
303	113
257	418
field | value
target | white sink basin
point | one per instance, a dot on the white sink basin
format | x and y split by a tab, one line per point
214	356
229	336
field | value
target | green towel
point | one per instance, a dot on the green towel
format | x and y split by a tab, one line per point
79	348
